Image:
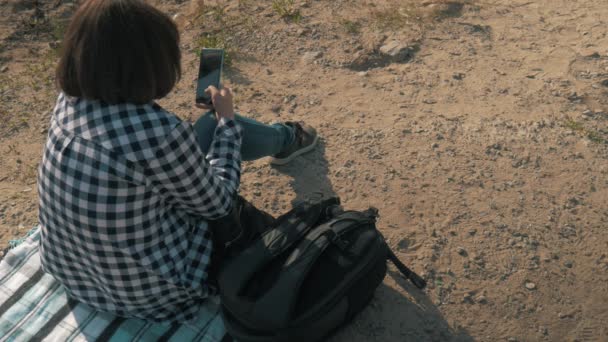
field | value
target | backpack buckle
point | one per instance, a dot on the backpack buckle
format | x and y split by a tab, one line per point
336	240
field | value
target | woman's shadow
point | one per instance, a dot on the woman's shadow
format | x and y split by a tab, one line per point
392	315
309	174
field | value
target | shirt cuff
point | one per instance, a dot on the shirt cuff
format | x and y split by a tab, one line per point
229	127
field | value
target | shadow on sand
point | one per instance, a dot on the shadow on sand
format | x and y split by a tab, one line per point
309	174
395	316
392	315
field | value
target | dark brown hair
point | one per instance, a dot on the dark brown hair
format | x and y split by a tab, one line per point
119	51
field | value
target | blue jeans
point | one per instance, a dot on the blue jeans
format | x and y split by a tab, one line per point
259	140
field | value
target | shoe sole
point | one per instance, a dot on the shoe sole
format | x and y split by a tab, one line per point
277	161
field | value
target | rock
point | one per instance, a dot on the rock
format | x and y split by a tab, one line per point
467	298
311	56
362	73
276	108
588	113
568	263
404	243
482	299
397	50
303	31
512	339
530	286
461	251
604	83
4	68
458	76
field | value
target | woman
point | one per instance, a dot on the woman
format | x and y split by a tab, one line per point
126	188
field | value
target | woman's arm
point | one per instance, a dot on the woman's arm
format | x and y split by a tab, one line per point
189	181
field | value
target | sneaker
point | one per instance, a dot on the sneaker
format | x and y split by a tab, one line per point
305	141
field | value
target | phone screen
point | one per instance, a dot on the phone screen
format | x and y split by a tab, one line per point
209	73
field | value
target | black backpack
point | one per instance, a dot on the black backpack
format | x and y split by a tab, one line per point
311	272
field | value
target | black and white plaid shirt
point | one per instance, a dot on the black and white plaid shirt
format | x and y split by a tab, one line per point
124	194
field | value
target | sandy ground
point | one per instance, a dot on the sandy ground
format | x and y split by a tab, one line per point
483	141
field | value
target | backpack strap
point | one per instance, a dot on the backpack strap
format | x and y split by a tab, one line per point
240	269
407	273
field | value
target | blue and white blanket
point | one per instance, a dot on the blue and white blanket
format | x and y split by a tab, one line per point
34	307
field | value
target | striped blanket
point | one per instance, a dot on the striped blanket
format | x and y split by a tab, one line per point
34	307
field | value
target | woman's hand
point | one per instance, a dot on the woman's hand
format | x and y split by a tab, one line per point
221	100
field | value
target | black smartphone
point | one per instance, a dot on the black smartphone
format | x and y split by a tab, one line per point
209	73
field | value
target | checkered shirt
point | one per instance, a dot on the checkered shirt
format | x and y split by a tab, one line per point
125	192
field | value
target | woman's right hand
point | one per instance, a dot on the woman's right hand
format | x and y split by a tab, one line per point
222	102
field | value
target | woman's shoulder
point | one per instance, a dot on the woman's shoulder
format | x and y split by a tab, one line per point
129	127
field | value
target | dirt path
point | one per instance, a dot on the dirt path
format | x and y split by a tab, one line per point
484	144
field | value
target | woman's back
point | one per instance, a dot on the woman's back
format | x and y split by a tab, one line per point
112	232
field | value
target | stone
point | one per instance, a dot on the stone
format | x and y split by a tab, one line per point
530	286
568	263
482	299
461	251
397	50
604	83
588	113
458	76
4	68
311	56
303	31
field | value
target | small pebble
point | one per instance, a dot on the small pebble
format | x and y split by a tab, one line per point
530	286
467	298
311	56
461	251
4	68
458	76
568	263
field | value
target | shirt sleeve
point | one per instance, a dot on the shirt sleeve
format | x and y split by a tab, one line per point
201	186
